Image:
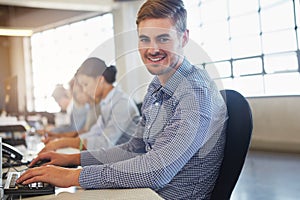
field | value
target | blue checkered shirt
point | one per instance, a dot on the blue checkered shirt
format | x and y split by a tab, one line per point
178	147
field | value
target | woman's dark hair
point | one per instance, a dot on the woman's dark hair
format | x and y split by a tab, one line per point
94	67
110	74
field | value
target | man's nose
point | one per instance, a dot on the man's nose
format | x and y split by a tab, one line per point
84	90
153	48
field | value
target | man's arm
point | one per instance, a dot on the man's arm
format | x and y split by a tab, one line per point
58	159
134	147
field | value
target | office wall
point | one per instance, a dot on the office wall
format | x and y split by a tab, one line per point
16	59
4	53
4	67
276	123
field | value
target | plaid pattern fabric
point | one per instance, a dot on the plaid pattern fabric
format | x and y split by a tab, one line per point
179	142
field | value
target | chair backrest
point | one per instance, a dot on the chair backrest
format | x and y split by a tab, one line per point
139	106
238	136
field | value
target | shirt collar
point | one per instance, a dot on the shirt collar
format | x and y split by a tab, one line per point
154	85
173	82
177	77
108	97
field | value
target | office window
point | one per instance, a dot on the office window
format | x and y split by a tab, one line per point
254	44
278	41
223	69
57	53
279	14
246	67
281	63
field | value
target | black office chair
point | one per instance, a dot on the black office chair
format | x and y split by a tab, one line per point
139	106
238	136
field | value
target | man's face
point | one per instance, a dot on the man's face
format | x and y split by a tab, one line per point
63	103
160	45
89	85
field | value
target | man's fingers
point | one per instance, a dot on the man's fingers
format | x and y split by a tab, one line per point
28	176
42	151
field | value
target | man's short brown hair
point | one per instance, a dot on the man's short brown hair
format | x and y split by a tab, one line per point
172	9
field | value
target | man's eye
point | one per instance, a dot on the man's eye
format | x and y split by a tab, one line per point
163	40
144	40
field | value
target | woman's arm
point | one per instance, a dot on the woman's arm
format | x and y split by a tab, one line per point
61	143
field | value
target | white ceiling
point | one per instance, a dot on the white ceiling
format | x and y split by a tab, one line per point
78	5
43	14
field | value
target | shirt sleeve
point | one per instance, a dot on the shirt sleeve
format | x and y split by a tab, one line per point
131	149
62	129
182	136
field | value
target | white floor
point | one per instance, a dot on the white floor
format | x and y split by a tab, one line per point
269	176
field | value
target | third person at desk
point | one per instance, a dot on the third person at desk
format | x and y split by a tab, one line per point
179	143
74	107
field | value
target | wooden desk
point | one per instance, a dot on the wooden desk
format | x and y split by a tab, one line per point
77	193
105	194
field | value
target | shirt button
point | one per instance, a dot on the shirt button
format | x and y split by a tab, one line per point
156	104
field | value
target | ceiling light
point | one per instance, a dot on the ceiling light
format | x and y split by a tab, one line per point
15	32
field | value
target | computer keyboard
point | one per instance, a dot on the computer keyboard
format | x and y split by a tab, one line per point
33	189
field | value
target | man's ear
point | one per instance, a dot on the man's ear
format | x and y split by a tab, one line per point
185	37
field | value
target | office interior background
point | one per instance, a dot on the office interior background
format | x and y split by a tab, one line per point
253	45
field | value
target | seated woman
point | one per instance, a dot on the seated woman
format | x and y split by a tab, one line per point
119	113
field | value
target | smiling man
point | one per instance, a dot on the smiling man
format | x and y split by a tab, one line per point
178	147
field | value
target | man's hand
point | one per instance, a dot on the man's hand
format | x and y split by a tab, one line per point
57	176
57	159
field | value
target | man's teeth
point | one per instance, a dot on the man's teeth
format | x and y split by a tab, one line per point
155	59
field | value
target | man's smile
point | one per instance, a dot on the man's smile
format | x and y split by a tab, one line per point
156	58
